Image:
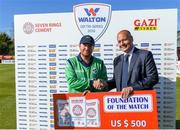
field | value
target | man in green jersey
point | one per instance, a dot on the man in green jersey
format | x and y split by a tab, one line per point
84	71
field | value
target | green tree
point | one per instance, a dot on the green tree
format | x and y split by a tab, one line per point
6	45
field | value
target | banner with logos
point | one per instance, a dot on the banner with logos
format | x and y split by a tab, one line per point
43	43
178	68
106	110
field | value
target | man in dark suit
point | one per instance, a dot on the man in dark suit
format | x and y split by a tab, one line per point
135	69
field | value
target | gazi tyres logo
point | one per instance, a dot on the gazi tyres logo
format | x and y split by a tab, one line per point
92	18
150	24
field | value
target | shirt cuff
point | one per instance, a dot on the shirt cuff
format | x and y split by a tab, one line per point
91	85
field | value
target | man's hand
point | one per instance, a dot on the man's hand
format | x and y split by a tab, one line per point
85	92
125	93
99	84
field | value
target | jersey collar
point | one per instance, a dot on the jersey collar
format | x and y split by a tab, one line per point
83	63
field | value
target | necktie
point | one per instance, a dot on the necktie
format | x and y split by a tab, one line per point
125	71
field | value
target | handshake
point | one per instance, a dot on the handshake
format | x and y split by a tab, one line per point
100	84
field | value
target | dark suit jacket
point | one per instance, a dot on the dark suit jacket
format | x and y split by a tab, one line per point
143	73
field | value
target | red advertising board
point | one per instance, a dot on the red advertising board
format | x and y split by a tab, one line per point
106	110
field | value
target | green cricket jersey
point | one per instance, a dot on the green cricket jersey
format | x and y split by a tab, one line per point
80	76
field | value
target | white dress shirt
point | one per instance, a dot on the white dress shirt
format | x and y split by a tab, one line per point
130	53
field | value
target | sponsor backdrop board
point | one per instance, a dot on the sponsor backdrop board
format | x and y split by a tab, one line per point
43	43
178	68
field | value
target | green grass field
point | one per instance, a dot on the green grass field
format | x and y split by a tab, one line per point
178	103
8	98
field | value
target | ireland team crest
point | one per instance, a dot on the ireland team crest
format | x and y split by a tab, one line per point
92	18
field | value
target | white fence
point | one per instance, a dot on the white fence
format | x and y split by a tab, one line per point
8	61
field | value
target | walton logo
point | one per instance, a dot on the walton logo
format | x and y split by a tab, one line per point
91	11
92	18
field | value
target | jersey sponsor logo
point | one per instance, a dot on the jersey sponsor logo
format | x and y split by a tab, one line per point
94	71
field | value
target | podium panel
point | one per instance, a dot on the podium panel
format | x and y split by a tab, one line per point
106	110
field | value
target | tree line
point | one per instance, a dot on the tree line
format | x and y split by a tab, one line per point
6	44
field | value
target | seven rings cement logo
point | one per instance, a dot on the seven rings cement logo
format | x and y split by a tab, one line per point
28	28
77	110
91	112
